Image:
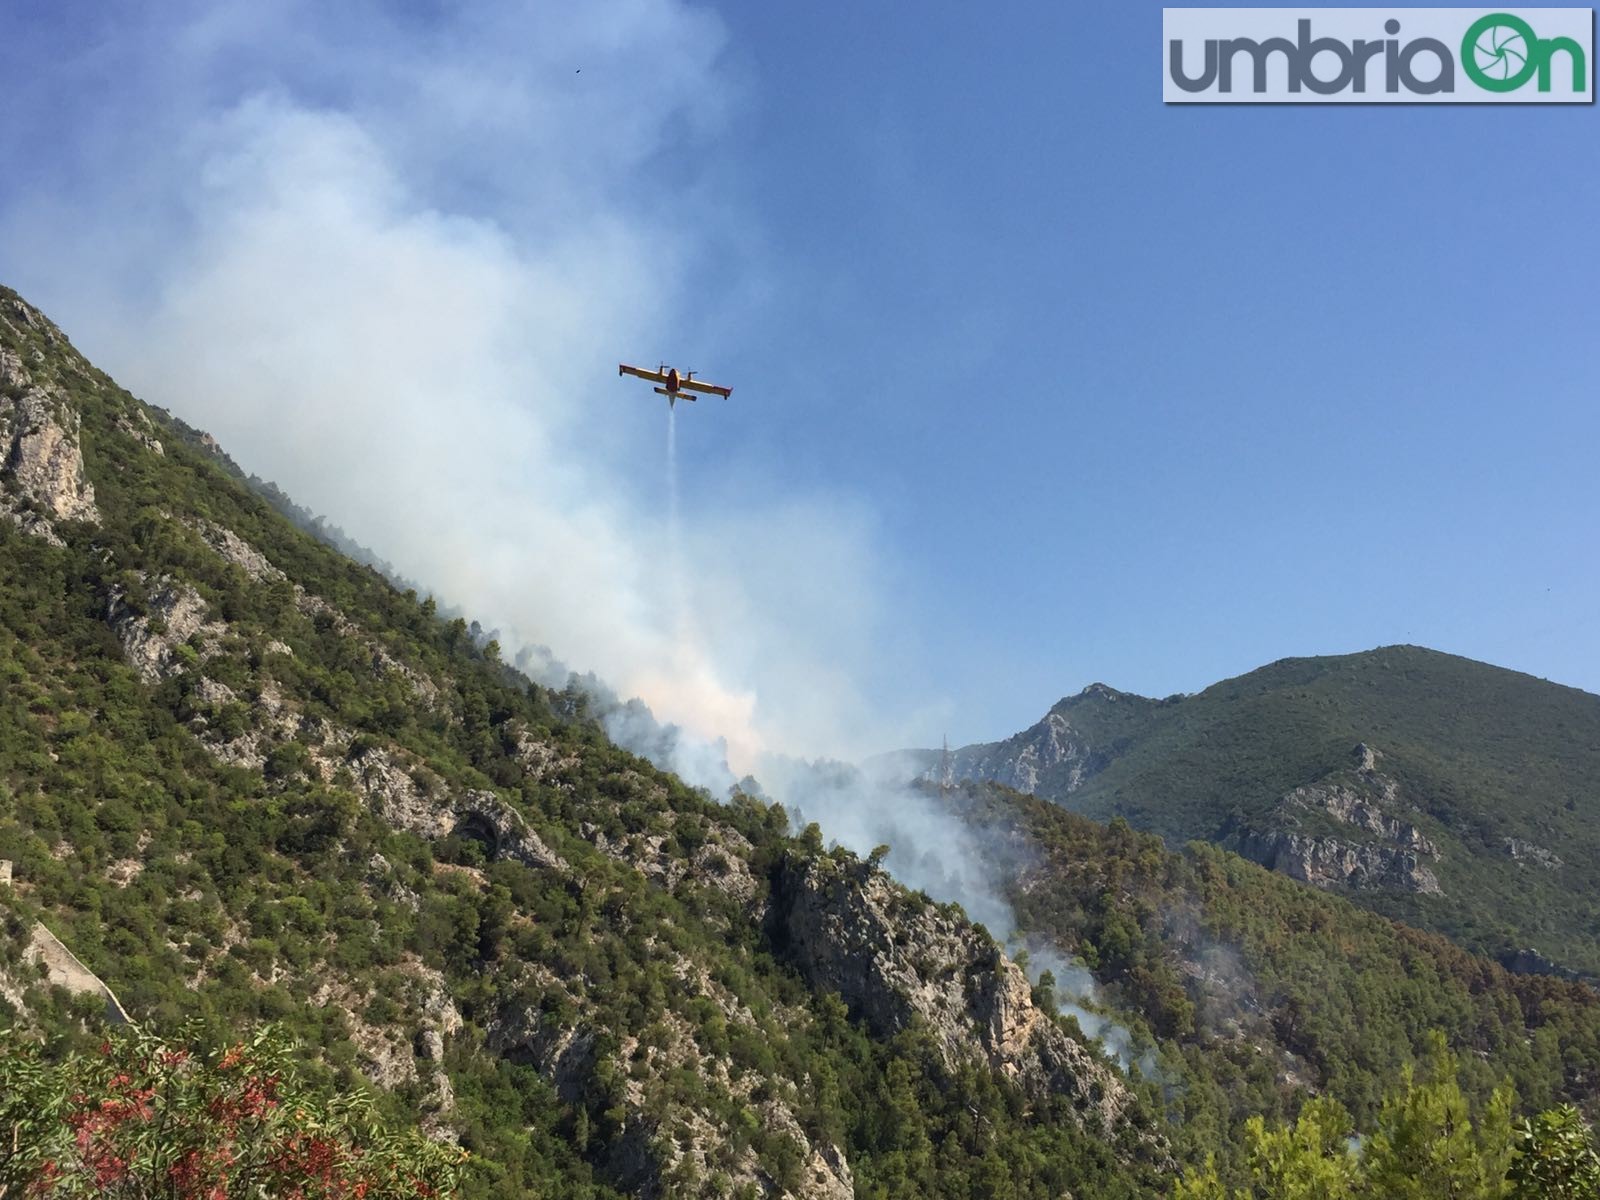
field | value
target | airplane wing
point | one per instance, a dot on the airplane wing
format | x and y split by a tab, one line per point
652	376
709	389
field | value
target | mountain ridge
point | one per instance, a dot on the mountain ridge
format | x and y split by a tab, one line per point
1495	766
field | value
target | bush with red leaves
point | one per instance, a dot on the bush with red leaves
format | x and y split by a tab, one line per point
140	1119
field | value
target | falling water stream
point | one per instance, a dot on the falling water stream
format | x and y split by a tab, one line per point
675	580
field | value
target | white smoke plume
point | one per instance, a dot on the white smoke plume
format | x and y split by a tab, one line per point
390	258
929	848
391	255
1078	996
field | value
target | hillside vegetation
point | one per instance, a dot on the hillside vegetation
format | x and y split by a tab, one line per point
248	782
1260	992
1473	813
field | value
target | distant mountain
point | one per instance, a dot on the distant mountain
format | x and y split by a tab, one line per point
1455	795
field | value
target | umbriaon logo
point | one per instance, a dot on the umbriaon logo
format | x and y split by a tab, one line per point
1374	55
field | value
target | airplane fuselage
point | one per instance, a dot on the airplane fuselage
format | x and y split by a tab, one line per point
674	383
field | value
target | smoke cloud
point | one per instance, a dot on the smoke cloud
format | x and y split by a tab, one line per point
1078	996
390	257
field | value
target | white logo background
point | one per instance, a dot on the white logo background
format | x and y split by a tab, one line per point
1499	53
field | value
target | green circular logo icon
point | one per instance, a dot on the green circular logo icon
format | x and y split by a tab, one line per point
1499	52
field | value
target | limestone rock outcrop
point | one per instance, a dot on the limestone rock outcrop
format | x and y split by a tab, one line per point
1529	854
157	635
42	478
1330	862
896	958
1382	853
432	812
1053	757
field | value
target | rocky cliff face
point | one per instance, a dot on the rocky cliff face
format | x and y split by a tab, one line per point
653	1148
42	478
1054	756
1328	862
898	959
165	633
1529	961
1050	747
1386	853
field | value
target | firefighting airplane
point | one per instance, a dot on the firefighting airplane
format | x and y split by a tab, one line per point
674	386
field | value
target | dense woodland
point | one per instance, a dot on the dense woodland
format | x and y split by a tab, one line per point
1484	760
1257	990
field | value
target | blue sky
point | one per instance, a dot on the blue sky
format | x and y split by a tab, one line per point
1037	381
1159	394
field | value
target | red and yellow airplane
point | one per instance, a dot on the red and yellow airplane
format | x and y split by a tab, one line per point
674	386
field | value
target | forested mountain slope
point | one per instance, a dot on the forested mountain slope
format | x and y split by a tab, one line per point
1459	796
1259	991
245	779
